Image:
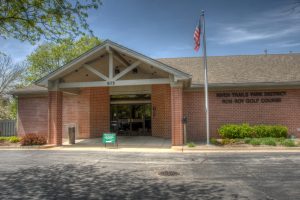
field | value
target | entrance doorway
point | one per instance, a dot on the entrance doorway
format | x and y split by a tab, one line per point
131	115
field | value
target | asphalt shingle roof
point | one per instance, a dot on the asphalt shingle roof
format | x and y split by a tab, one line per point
269	68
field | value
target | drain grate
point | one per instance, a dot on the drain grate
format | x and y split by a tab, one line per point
168	173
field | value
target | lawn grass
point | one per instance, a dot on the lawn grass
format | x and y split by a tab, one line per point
11	139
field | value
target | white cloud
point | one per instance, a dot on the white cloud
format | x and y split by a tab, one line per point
272	24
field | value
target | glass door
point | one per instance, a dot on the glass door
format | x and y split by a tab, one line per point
131	119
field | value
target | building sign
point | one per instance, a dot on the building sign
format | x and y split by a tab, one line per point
250	97
109	138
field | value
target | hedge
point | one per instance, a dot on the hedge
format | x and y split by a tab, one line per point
247	131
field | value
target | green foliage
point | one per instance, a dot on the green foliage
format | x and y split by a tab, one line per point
227	141
50	56
191	144
247	140
14	139
214	141
8	109
32	20
268	141
11	139
255	141
33	139
288	143
247	131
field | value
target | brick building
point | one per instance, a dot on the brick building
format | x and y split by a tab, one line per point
113	88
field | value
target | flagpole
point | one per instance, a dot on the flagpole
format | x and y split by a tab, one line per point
205	78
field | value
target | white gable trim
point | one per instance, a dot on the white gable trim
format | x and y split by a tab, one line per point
178	75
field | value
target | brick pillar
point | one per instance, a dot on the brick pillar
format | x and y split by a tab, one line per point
55	117
176	115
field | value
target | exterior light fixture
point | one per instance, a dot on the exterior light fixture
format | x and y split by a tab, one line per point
117	71
135	71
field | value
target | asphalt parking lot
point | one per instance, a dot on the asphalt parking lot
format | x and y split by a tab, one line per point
48	174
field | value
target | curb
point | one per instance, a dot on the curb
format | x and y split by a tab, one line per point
26	147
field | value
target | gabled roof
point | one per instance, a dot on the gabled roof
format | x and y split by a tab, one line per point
180	75
243	70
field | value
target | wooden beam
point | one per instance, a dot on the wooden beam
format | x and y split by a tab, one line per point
120	58
111	65
115	83
93	70
142	82
128	69
83	84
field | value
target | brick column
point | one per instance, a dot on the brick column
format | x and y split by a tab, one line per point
55	117
176	115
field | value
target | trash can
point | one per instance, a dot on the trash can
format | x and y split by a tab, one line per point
71	135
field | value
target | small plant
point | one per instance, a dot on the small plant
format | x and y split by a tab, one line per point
14	139
227	141
268	141
11	139
255	141
191	144
247	140
288	143
214	141
33	139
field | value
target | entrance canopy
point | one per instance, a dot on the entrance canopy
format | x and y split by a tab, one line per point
111	64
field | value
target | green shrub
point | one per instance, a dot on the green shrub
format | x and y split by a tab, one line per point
33	139
288	143
268	141
214	141
191	144
227	141
247	140
255	141
246	131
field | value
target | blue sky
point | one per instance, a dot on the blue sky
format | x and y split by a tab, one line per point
164	28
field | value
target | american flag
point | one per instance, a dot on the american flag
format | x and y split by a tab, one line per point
197	34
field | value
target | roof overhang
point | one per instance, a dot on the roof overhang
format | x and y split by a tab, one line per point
107	44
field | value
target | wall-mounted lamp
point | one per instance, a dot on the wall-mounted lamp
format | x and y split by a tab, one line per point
135	71
117	71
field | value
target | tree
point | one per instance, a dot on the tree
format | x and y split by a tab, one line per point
50	56
31	20
10	74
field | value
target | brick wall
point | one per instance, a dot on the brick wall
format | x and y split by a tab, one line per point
284	112
99	111
84	113
176	115
33	115
55	126
70	113
161	110
90	110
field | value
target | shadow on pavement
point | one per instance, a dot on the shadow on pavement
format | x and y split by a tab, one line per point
89	182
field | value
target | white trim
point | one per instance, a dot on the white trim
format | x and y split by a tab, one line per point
107	44
125	71
110	64
115	83
93	70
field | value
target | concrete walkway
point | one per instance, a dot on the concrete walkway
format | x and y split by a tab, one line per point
124	142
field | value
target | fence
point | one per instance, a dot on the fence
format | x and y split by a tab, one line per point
8	128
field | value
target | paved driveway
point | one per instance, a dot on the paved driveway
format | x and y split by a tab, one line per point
48	174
